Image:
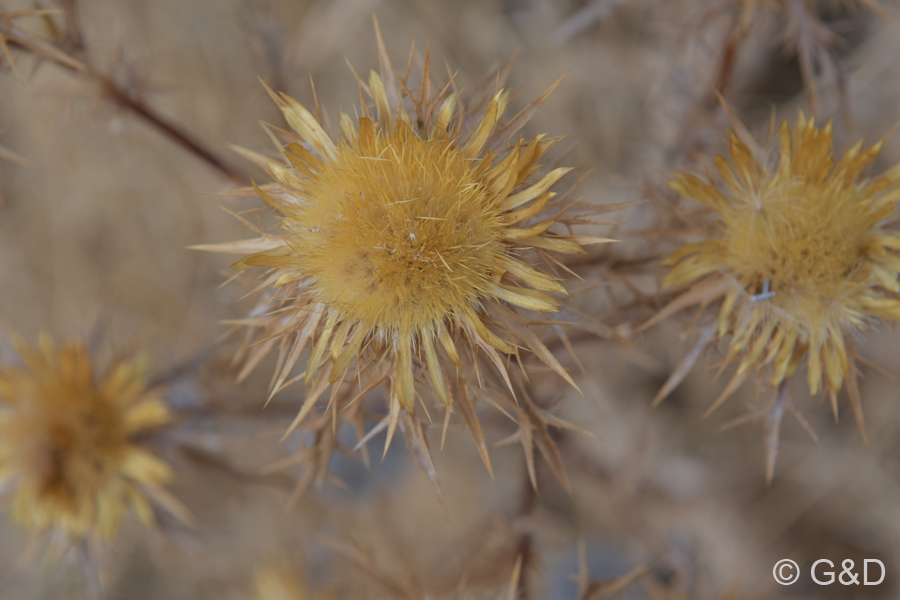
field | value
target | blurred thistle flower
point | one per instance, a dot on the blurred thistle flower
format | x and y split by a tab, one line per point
801	261
404	243
278	582
68	449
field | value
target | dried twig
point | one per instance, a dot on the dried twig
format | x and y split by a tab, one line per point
59	54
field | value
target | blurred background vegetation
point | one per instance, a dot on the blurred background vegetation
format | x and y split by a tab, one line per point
97	214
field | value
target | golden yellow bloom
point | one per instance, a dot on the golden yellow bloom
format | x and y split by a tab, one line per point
404	243
67	448
801	261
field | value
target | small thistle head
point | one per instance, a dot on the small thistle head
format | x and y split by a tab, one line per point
67	441
801	259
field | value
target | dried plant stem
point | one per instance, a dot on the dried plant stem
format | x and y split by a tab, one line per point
174	133
525	551
726	66
15	36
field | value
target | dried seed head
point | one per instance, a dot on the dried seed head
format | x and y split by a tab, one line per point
67	448
802	259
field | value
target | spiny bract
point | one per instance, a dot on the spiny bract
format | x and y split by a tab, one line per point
802	260
67	448
404	241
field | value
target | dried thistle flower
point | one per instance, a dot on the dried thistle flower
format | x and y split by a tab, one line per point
68	450
403	243
801	260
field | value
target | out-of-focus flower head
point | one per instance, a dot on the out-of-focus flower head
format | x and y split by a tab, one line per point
68	450
278	582
801	261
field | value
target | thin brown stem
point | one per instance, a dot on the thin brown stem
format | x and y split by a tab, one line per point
24	40
174	133
726	65
525	546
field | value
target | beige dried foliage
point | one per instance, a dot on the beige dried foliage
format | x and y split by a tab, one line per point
666	508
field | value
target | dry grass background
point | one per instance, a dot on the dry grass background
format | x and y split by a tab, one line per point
96	229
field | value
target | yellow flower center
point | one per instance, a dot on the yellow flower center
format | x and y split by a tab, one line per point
397	233
808	240
72	441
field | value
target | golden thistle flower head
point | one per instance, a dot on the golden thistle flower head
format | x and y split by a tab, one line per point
67	441
405	240
393	237
801	258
